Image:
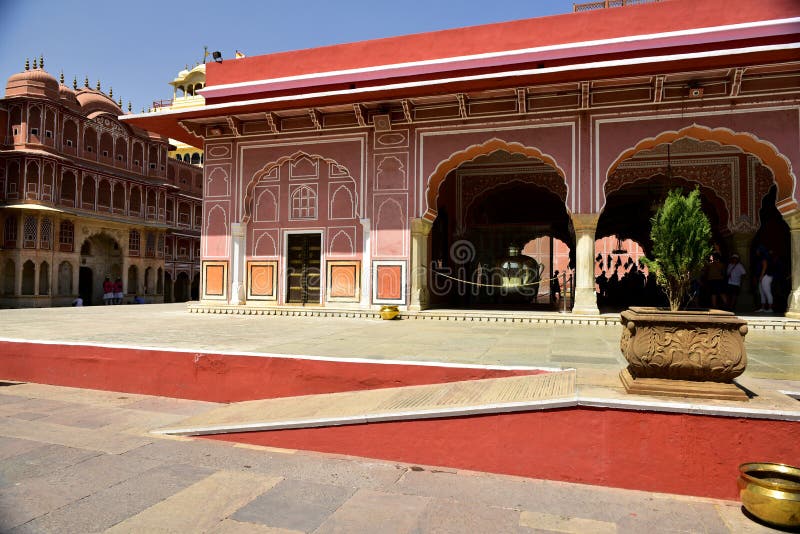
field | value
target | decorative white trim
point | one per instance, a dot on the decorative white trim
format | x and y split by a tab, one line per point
644	60
510	53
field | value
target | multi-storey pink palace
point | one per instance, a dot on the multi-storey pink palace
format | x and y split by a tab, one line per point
413	170
84	197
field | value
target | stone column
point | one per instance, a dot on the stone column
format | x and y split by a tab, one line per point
366	264
237	274
741	244
420	231
793	221
585	225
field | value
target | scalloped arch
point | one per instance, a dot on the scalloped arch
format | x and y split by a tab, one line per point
471	153
267	169
767	152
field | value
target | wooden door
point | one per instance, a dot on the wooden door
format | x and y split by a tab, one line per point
304	269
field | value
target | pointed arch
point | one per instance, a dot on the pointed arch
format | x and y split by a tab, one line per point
341	203
765	151
469	154
265	246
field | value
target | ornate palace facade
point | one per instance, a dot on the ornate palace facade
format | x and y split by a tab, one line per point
84	197
368	173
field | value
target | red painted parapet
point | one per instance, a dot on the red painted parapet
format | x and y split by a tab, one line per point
670	453
215	377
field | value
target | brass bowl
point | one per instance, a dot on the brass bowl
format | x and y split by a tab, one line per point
389	312
771	492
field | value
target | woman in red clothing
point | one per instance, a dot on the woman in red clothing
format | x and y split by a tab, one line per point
118	291
108	291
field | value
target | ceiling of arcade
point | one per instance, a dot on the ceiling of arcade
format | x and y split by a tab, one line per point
718	84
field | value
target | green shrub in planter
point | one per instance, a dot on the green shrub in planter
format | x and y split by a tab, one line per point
681	236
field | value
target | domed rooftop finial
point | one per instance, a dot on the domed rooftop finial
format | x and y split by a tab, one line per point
86	82
27	64
111	93
130	106
75	82
98	85
41	61
34	64
61	78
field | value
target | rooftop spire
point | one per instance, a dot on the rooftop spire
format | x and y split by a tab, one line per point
41	61
27	64
75	82
61	78
34	64
130	106
98	85
110	92
86	82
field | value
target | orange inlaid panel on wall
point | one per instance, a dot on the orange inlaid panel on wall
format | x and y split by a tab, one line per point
261	280
344	280
390	282
215	280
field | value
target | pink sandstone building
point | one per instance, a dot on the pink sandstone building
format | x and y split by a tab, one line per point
367	173
84	196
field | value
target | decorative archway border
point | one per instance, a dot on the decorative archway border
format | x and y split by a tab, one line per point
267	169
764	150
457	159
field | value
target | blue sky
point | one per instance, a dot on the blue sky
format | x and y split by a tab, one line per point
138	47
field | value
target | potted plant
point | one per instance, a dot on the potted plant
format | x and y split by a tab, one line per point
687	353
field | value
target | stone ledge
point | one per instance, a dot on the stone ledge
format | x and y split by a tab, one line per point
756	323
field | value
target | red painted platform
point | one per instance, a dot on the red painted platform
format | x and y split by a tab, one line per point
216	377
670	453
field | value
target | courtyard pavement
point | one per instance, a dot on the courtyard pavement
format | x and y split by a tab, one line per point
75	460
81	461
773	354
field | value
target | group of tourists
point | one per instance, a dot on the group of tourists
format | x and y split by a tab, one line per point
721	283
112	291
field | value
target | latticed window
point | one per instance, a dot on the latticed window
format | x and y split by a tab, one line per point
29	232
46	234
133	243
150	245
66	235
304	203
10	236
160	246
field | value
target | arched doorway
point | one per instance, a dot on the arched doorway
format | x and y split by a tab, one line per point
500	225
101	257
738	193
167	287
182	289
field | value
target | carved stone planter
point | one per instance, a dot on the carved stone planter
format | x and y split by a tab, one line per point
684	353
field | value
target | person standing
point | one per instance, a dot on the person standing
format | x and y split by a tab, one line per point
735	273
108	291
715	278
118	291
765	276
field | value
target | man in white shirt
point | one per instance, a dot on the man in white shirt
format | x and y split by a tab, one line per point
735	273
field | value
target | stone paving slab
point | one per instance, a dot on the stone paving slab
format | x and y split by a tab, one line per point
191	485
771	354
493	395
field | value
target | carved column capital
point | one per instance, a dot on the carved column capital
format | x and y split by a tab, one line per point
421	226
584	222
793	220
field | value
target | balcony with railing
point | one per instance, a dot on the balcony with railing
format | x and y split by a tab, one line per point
603	4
